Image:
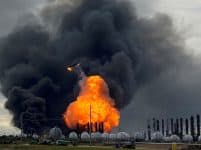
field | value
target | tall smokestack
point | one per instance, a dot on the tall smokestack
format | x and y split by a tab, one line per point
96	126
187	126
177	127
154	124
172	126
158	125
198	125
78	128
149	130
101	127
181	127
167	127
163	127
192	127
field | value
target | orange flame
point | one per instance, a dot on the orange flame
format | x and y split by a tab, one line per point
95	94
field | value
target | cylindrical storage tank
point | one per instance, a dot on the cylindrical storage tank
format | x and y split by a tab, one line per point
85	136
187	139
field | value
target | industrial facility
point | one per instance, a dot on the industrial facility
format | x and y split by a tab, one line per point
182	128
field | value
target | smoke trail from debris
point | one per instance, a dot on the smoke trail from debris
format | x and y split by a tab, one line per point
105	37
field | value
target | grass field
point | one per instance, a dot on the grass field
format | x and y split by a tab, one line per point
45	147
52	147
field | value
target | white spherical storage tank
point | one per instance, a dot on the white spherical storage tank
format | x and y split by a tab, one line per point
96	136
23	135
199	139
35	136
174	138
139	136
123	136
105	137
55	133
73	136
167	139
63	137
112	137
157	137
85	136
187	139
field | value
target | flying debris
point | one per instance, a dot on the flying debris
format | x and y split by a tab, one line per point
72	67
77	69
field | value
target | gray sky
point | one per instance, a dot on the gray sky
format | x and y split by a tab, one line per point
179	91
187	20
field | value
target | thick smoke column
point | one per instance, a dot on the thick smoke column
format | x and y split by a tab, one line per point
104	36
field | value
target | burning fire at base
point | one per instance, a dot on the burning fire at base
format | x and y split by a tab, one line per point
93	105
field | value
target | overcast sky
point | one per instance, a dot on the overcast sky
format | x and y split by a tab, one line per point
185	14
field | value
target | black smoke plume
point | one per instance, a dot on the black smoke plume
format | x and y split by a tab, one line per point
105	36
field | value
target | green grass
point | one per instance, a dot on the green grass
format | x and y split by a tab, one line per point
46	147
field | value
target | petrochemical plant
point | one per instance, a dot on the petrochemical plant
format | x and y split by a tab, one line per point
179	129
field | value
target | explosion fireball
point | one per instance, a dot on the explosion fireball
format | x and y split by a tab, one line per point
93	104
